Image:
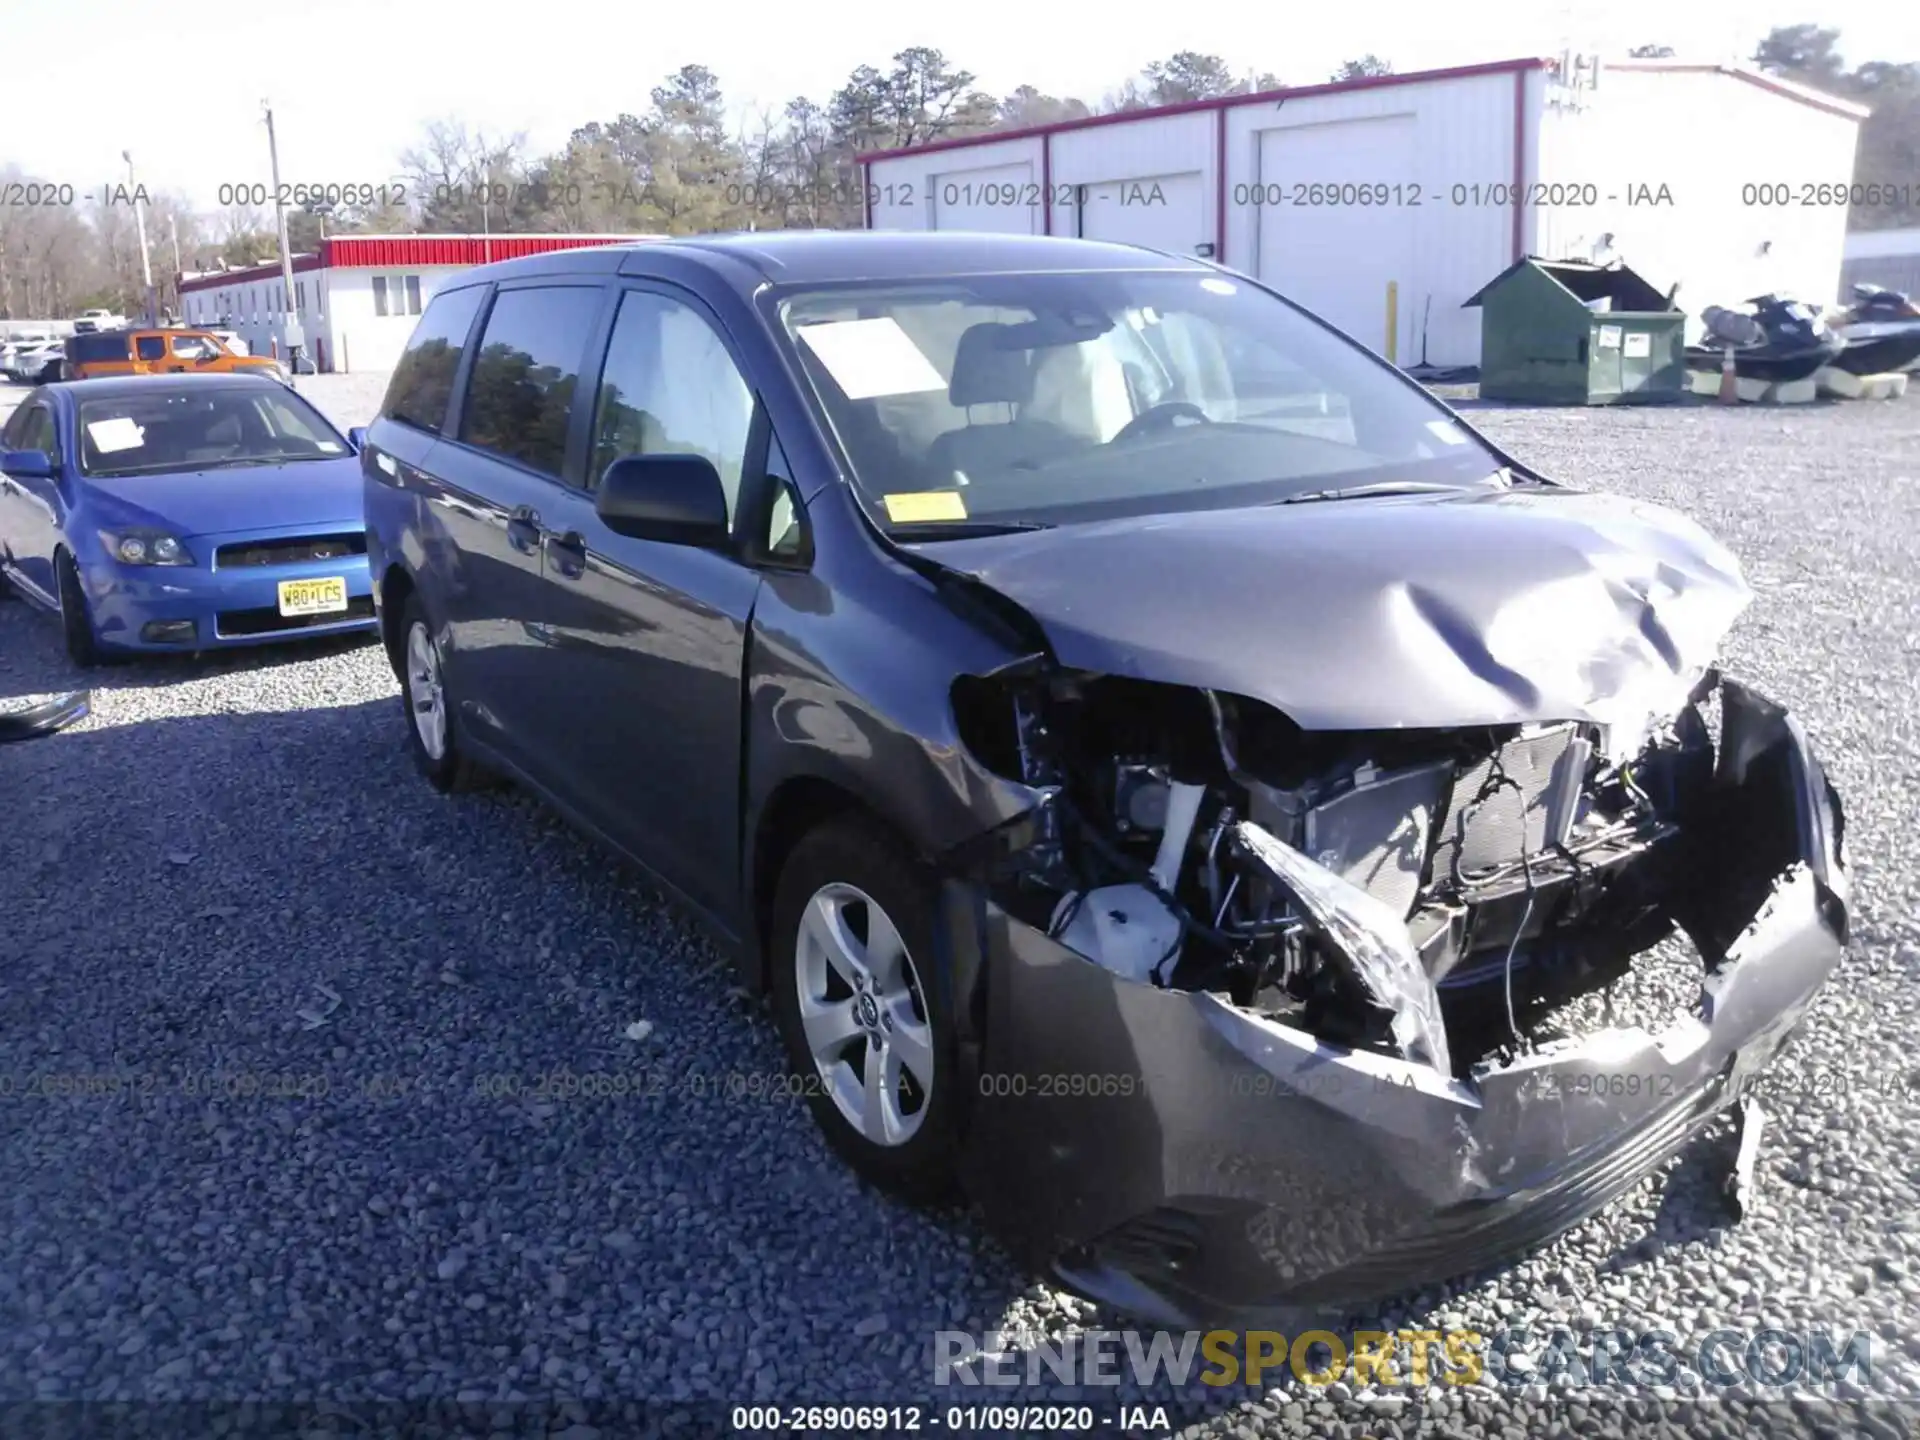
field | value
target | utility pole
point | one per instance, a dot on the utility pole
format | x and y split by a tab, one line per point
140	223
173	229
295	337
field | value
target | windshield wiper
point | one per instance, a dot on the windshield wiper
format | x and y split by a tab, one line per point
1378	487
964	529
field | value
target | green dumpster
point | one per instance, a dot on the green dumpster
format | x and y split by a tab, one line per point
1569	332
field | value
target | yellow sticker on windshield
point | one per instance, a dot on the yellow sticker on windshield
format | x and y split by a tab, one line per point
914	505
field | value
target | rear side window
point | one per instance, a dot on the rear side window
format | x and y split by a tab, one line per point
520	398
422	384
152	347
108	345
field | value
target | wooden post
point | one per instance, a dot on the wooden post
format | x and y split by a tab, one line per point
1393	322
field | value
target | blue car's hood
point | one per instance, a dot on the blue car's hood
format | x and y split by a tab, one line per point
219	502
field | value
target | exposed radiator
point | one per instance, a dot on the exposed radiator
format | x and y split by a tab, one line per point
1518	802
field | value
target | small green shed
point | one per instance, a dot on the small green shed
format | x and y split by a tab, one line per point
1569	332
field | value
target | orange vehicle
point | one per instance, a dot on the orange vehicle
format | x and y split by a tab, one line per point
158	352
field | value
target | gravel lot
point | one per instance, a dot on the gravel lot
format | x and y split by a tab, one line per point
359	1210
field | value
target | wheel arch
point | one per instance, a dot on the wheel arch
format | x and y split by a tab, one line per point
799	805
397	585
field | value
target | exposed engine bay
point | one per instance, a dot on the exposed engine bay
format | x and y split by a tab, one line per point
1423	893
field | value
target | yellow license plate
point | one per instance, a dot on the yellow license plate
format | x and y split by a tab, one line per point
313	597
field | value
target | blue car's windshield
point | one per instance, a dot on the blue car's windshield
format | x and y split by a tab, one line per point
1050	398
173	428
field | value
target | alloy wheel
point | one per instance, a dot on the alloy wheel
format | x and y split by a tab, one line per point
427	697
864	1014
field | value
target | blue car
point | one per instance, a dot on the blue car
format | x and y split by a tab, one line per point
182	513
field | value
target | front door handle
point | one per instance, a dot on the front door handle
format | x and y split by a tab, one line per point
568	553
523	530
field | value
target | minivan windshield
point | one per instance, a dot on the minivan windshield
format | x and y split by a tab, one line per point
986	402
163	428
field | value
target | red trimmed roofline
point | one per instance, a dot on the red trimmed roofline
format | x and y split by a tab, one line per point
402	250
1217	102
1790	89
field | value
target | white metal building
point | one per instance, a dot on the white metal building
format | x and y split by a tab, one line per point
1701	176
358	296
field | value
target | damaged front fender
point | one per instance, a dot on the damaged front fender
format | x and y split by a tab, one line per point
1192	1161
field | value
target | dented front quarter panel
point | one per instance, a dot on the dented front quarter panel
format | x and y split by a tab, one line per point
1295	1176
1486	607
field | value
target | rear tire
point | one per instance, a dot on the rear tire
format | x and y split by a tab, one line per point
865	1020
76	624
432	734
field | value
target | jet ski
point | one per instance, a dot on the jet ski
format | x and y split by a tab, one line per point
1882	331
1773	339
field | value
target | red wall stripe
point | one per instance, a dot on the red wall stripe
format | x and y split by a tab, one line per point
410	252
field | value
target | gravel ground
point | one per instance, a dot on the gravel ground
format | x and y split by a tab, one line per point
382	1204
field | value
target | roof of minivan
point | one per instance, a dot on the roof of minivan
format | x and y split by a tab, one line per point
826	256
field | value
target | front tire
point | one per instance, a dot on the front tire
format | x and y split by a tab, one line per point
432	736
76	624
861	1010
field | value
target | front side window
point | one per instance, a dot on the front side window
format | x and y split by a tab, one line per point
165	429
36	432
670	388
520	398
422	384
1064	397
193	347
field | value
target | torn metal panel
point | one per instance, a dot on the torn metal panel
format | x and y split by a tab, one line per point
1474	608
1212	1163
1366	936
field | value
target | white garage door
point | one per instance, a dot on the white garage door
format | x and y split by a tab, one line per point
1336	259
1164	212
1001	199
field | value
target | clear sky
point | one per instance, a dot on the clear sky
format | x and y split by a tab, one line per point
353	81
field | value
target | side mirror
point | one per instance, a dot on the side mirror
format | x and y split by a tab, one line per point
27	464
357	438
676	499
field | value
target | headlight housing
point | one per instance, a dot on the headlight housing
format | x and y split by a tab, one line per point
138	545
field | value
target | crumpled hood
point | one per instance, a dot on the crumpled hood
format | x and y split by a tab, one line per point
1430	611
319	493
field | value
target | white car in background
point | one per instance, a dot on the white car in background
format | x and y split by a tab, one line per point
36	363
88	321
19	340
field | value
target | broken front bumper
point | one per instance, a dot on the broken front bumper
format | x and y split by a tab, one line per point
1192	1162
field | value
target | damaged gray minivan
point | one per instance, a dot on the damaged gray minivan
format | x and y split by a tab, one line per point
1172	775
